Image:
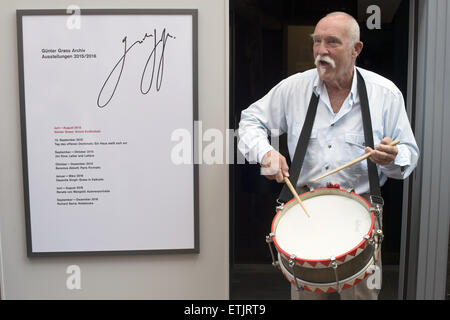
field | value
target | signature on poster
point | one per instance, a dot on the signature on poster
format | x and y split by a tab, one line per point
154	64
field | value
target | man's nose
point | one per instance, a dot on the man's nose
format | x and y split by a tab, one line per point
322	49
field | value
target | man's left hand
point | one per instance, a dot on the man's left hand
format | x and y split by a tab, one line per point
383	154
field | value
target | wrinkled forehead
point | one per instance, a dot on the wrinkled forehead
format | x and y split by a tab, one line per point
336	26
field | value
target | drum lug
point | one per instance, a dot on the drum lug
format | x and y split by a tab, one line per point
292	261
334	265
280	205
377	203
269	241
378	238
377	210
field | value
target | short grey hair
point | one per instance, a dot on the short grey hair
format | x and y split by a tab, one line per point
354	26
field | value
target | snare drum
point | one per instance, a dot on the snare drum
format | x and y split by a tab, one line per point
330	251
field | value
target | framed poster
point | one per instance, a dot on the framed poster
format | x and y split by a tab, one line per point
101	94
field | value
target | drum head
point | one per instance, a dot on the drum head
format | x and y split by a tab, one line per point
338	224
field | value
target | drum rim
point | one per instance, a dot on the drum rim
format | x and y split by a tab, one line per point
341	257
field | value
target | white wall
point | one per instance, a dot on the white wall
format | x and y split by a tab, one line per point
188	276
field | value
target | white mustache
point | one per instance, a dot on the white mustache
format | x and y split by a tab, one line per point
325	59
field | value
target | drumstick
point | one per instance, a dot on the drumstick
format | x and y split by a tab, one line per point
348	164
286	180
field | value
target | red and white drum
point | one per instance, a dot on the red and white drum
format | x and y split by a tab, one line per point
331	250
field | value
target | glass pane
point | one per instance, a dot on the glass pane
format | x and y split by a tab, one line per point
270	40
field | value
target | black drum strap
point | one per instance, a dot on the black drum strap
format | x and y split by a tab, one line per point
374	182
300	150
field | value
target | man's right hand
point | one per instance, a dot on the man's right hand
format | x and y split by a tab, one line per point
274	166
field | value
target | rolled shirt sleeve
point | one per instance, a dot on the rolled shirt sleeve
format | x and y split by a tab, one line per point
263	118
396	125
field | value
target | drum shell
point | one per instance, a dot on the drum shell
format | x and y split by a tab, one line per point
334	286
327	274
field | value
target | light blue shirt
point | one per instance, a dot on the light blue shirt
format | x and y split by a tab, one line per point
335	138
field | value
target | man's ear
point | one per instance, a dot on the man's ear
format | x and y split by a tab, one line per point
357	48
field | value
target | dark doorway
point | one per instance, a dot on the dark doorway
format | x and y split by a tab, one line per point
266	46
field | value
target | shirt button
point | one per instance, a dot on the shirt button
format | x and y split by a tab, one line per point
326	167
329	146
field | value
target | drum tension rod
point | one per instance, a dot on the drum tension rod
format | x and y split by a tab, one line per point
292	265
377	211
371	242
378	238
334	265
269	241
375	242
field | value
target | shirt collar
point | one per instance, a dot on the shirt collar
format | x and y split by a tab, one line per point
318	87
354	90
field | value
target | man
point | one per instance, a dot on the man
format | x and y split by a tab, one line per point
337	135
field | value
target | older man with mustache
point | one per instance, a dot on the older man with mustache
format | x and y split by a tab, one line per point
337	134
